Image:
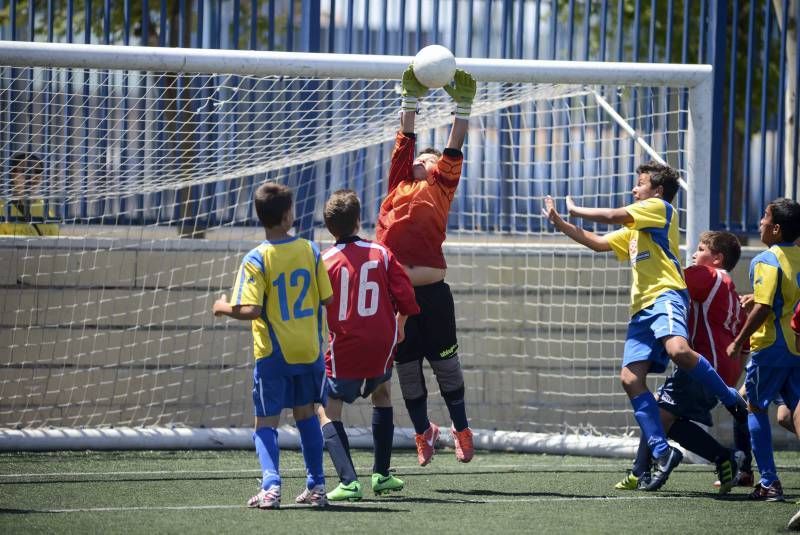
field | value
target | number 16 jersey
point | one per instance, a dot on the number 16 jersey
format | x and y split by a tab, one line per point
369	287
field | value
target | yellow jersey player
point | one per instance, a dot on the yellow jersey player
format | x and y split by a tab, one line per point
774	367
281	287
657	331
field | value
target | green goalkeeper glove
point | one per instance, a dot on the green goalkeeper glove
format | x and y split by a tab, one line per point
411	90
463	92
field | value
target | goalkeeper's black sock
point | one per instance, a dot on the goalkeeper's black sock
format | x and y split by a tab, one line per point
692	437
418	413
339	450
382	436
741	438
456	407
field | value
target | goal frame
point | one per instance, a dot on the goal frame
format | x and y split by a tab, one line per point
696	79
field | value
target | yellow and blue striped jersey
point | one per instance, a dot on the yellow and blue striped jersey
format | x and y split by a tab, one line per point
27	218
775	274
650	243
288	280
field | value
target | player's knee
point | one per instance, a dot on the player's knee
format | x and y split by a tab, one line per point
631	382
412	382
382	396
784	417
448	374
453	395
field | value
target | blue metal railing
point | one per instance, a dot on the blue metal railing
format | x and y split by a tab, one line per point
754	146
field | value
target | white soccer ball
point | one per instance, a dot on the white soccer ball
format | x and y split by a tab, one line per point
434	66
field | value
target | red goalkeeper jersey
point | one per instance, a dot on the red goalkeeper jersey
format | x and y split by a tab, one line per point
369	286
715	318
413	217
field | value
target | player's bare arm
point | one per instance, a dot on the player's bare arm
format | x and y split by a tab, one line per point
239	312
608	216
591	240
756	318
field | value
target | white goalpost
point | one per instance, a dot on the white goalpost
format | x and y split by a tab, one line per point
150	159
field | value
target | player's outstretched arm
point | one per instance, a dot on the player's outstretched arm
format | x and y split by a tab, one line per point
608	216
240	312
591	240
411	90
462	91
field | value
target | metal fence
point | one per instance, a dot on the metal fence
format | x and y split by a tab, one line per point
752	45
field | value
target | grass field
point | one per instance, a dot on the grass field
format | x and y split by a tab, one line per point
205	491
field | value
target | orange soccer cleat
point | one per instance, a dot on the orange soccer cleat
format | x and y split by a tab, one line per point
463	442
426	443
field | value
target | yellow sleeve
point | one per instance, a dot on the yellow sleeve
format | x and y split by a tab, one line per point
323	280
649	213
620	241
765	283
250	284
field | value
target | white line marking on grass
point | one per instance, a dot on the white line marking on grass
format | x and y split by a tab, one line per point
405	469
385	503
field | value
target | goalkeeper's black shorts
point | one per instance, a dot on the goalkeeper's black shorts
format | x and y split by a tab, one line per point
431	333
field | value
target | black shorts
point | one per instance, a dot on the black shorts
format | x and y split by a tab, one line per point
687	398
431	333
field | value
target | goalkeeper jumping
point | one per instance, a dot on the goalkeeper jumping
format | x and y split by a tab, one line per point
412	223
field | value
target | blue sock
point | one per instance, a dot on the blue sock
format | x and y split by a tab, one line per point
418	412
311	444
761	439
708	376
339	450
382	438
266	440
641	463
645	409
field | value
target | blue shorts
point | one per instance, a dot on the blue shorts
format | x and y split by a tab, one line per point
348	390
687	398
273	394
666	317
765	384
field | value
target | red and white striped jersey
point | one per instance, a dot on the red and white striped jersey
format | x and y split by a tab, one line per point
715	318
369	286
796	320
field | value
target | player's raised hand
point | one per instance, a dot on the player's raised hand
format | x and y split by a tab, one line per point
463	88
570	205
410	87
550	212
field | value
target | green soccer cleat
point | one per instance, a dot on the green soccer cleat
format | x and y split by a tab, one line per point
629	482
351	492
385	484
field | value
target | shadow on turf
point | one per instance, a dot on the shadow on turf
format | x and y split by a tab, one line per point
4	511
671	494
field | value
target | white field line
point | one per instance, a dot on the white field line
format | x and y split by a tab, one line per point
408	470
382	503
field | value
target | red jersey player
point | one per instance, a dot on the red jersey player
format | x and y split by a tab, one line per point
715	318
412	223
372	296
796	326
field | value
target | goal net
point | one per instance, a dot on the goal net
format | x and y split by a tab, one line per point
149	161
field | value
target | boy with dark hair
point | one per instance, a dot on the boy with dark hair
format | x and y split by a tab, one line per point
658	330
372	298
412	223
715	317
24	214
774	367
281	287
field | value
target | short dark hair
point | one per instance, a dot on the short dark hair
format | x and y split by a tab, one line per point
723	243
342	212
661	175
272	201
786	213
26	164
430	150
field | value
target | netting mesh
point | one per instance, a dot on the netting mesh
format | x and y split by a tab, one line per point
150	176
